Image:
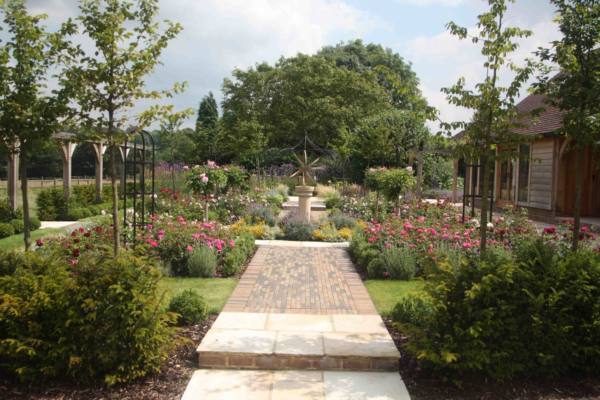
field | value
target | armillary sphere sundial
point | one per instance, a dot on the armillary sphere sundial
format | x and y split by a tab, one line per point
305	167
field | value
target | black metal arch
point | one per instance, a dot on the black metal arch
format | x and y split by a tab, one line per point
143	157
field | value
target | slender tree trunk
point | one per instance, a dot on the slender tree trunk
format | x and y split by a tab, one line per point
25	195
115	199
484	203
578	190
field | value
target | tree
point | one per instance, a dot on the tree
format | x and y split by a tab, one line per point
576	89
172	136
207	127
304	95
110	79
29	112
387	138
493	105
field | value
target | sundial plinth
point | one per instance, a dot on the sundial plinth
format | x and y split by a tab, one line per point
304	199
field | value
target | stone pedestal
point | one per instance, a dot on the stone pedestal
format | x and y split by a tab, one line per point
304	197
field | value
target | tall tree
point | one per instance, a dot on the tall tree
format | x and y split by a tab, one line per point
208	113
576	88
110	79
207	127
172	136
493	105
29	112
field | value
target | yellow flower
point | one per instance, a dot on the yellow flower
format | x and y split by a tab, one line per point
345	233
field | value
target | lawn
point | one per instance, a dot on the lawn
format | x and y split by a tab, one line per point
385	293
15	242
216	291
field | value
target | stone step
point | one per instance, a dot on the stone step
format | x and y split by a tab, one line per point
291	385
290	205
298	341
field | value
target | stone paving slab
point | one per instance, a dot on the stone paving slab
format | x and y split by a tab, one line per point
291	385
301	278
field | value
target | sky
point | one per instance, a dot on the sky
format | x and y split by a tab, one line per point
220	35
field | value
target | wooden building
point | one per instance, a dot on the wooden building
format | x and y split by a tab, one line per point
541	177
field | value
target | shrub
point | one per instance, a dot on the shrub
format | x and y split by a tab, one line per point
506	316
190	307
341	220
295	228
400	263
333	200
234	258
202	262
18	225
98	319
7	214
51	204
6	230
413	311
34	223
327	233
256	214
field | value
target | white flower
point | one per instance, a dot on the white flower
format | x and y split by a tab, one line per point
490	225
409	168
103	212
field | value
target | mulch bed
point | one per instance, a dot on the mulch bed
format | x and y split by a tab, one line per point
423	385
168	384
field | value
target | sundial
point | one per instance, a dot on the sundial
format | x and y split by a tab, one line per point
305	167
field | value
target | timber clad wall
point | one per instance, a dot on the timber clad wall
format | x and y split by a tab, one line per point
540	179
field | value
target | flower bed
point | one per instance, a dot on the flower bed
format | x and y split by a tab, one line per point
426	230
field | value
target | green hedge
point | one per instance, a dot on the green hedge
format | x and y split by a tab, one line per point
82	203
509	315
100	319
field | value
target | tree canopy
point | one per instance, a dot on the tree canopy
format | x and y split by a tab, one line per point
329	97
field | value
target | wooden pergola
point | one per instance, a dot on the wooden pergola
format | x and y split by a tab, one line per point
68	142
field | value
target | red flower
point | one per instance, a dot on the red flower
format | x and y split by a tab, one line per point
551	230
75	253
39	243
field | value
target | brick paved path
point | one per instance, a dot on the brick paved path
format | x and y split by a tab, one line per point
301	280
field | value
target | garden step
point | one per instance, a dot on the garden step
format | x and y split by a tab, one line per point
298	341
291	205
289	385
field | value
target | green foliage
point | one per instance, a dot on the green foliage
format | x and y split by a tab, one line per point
29	112
256	214
576	89
202	262
235	258
386	138
413	310
207	180
341	220
18	225
505	316
333	200
34	223
190	307
82	203
7	214
394	262
393	182
6	230
50	204
98	319
295	228
495	115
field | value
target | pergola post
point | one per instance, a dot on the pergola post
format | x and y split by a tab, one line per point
13	179
124	151
99	149
67	148
455	182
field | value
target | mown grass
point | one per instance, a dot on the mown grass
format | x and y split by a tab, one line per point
386	293
15	242
215	291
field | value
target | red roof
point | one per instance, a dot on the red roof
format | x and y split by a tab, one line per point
549	120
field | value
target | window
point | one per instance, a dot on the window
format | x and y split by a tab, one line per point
523	190
506	180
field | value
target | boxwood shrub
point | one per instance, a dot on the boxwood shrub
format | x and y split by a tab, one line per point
509	315
100	319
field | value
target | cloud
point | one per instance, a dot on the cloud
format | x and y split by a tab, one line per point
441	59
220	35
447	3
